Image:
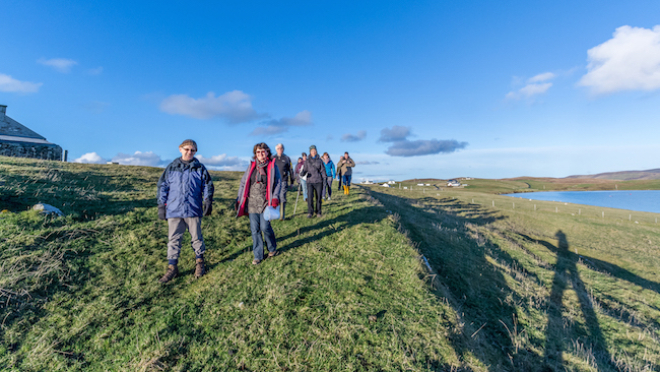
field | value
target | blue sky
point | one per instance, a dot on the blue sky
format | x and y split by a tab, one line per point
410	89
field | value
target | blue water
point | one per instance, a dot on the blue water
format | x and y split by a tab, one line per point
634	200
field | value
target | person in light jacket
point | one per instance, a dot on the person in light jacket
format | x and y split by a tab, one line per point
185	194
345	168
260	187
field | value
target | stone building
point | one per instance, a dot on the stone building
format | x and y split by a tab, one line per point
18	140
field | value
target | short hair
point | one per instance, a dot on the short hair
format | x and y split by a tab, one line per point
299	158
325	154
346	152
188	142
303	154
262	146
279	145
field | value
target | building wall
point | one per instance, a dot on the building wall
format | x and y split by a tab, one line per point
30	150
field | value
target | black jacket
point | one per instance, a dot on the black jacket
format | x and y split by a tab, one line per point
314	169
284	165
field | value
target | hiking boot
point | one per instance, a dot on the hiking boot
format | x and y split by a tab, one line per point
273	254
309	215
319	215
172	272
200	269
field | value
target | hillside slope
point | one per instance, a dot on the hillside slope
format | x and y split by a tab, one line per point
651	174
81	293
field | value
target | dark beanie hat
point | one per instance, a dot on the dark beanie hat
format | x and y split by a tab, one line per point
312	147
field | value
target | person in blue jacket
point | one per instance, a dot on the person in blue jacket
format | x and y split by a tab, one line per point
330	172
185	194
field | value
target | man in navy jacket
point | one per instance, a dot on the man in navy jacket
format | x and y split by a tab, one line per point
185	194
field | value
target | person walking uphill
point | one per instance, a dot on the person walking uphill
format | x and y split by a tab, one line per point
185	194
345	168
260	187
283	163
314	170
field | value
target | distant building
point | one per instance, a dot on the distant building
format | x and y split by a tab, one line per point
19	141
453	183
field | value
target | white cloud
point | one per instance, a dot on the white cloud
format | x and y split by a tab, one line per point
535	85
362	134
630	60
139	158
269	130
62	65
90	158
542	77
9	84
95	71
234	107
223	162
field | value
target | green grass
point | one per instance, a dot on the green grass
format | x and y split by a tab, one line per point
80	292
539	286
555	287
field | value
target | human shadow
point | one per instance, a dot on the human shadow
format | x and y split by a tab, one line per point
470	272
566	272
611	269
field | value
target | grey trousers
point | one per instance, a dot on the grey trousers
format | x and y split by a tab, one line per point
178	226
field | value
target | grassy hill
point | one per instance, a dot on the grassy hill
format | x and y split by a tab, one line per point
530	286
80	292
651	174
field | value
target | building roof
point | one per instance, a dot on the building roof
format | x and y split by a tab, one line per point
10	127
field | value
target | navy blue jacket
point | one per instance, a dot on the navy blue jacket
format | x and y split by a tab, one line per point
184	188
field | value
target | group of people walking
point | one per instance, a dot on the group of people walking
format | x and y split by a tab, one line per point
185	195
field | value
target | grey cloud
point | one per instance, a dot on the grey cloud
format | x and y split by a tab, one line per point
277	126
397	133
408	148
367	163
354	138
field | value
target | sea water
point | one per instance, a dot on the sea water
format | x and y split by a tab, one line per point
634	200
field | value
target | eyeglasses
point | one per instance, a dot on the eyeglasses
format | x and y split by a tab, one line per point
189	150
262	152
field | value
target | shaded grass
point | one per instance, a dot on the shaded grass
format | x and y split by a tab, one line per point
553	290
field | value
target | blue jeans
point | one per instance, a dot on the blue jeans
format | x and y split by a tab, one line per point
346	179
258	225
303	183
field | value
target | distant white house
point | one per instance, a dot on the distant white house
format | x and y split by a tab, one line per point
385	185
391	182
405	187
453	183
420	184
367	182
428	184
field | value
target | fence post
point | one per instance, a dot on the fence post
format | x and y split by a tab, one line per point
556	210
534	207
493	203
603	214
579	212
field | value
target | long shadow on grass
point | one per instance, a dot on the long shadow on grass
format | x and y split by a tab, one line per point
599	265
477	288
566	272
